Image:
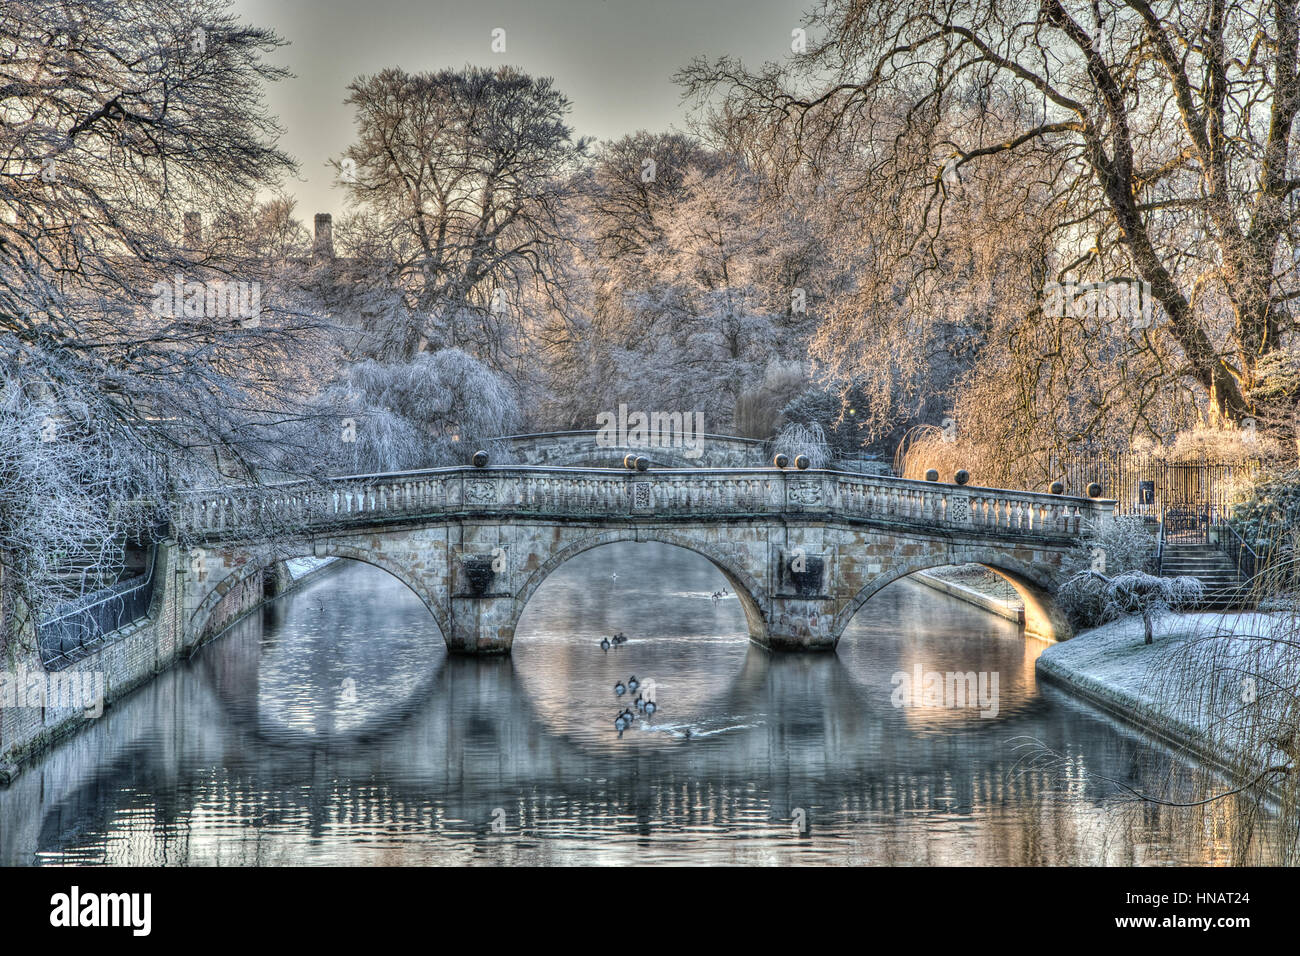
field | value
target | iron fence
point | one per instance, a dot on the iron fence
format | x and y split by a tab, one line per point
1142	485
76	628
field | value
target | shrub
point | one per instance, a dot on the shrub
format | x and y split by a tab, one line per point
1126	544
799	439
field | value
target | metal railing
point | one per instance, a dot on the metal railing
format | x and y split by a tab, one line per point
1160	549
1141	484
76	628
1243	555
1187	524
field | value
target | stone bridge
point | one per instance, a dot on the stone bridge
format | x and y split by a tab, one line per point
803	550
581	448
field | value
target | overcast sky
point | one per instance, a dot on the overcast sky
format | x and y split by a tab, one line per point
612	58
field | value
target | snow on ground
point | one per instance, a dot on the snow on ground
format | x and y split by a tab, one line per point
979	578
299	568
1220	683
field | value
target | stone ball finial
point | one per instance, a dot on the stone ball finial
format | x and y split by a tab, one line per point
642	463
480	459
932	474
629	461
781	461
962	476
802	462
1057	488
1094	490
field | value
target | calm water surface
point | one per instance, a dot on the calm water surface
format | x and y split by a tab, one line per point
334	728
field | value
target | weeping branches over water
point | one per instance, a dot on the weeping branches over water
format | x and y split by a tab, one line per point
1236	677
115	120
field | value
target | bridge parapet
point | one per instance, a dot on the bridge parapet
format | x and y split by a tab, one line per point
609	493
590	449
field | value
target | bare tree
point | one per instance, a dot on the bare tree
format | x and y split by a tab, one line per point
118	117
459	179
1159	137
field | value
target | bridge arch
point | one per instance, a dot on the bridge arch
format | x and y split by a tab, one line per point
198	620
1034	585
744	585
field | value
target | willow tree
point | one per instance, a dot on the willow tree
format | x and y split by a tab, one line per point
1160	134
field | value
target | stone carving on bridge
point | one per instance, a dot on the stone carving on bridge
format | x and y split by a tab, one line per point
802	575
479	577
641	496
481	492
959	509
805	495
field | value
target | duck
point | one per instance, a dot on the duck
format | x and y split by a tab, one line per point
640	704
633	683
619	724
687	733
619	689
604	643
649	707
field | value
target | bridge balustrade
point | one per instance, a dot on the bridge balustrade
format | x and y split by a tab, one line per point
560	492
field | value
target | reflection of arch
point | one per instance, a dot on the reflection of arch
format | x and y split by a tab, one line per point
324	549
741	582
1035	586
240	706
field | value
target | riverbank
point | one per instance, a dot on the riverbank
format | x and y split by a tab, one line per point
976	585
1211	686
40	708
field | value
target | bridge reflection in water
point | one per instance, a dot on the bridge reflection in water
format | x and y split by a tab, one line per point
335	728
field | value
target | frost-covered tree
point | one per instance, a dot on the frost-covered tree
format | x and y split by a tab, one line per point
1115	547
1163	133
437	409
799	438
692	280
64	495
458	181
1147	595
117	118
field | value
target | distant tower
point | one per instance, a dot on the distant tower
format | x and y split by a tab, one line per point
323	246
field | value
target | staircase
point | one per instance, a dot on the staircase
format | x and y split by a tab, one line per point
1224	586
89	567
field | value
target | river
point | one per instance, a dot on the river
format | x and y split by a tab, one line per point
332	727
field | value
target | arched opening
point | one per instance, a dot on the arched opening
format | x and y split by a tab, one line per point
240	591
944	648
738	582
346	650
1041	619
687	643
